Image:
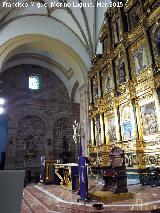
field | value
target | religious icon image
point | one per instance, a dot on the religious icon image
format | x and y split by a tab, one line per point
127	130
149	119
112	129
121	71
126	124
140	60
107	83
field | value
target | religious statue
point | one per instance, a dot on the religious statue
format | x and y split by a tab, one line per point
76	133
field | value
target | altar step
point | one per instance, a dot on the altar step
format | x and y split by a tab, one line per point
25	208
32	204
36	200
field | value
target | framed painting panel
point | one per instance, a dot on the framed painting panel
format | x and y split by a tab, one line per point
149	119
138	57
112	129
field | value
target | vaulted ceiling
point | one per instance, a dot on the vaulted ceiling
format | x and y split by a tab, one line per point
84	22
73	28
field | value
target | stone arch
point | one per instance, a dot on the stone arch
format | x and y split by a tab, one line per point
42	116
61	128
30	142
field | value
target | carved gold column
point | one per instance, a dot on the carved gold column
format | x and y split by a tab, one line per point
139	121
126	63
139	142
106	129
95	132
92	131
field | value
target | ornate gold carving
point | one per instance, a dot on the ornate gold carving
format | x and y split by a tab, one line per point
140	86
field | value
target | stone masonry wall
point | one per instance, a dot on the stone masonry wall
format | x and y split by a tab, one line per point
37	120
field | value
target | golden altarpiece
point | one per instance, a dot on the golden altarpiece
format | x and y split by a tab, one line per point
124	86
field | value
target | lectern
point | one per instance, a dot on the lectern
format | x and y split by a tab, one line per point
115	176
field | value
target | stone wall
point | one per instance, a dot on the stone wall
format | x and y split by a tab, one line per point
37	120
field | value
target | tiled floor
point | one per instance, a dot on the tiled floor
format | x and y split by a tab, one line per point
49	198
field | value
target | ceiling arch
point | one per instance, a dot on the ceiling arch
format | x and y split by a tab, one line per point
62	60
82	18
59	37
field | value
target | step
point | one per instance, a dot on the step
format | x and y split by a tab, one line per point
34	204
25	208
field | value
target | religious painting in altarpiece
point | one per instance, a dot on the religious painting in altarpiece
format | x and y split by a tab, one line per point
135	15
120	69
107	81
149	119
155	36
112	129
138	57
127	126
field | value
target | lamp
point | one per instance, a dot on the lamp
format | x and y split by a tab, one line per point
2	101
1	110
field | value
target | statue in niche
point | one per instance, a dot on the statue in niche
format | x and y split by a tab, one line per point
116	31
157	39
140	59
121	71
